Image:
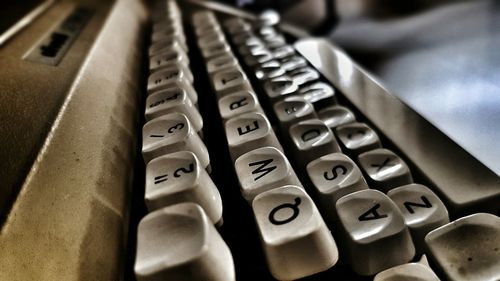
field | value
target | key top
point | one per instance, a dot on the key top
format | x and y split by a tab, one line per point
291	110
407	271
333	176
180	243
221	62
170	101
171	133
384	169
166	43
211	38
263	169
258	57
249	131
215	49
167	57
278	87
303	75
468	248
229	81
336	115
311	139
357	138
295	239
375	235
283	52
178	177
293	62
238	103
316	92
168	77
422	210
268	70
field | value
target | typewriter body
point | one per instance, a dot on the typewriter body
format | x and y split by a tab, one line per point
79	150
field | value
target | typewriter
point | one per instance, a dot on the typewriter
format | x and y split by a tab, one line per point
192	140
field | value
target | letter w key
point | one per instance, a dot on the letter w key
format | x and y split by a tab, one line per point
262	168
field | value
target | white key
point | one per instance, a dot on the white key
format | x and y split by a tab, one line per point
275	42
166	34
357	138
203	18
291	110
180	243
241	38
209	27
283	52
293	62
267	32
179	84
230	80
422	210
168	76
178	177
220	62
311	139
375	235
249	131
171	133
238	103
170	101
336	115
268	70
318	91
258	57
252	46
296	240
384	169
407	271
163	24
211	38
303	75
236	25
334	176
215	49
468	248
166	43
168	56
278	87
263	169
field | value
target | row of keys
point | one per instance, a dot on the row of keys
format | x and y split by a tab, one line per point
290	226
369	221
291	88
177	239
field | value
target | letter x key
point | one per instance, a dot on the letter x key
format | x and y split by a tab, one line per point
384	169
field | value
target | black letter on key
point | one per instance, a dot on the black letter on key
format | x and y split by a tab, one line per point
343	171
371	214
177	126
384	164
408	205
310	134
262	168
190	169
294	207
248	129
160	179
238	104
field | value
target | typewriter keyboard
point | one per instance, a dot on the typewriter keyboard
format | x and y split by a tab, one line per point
256	168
